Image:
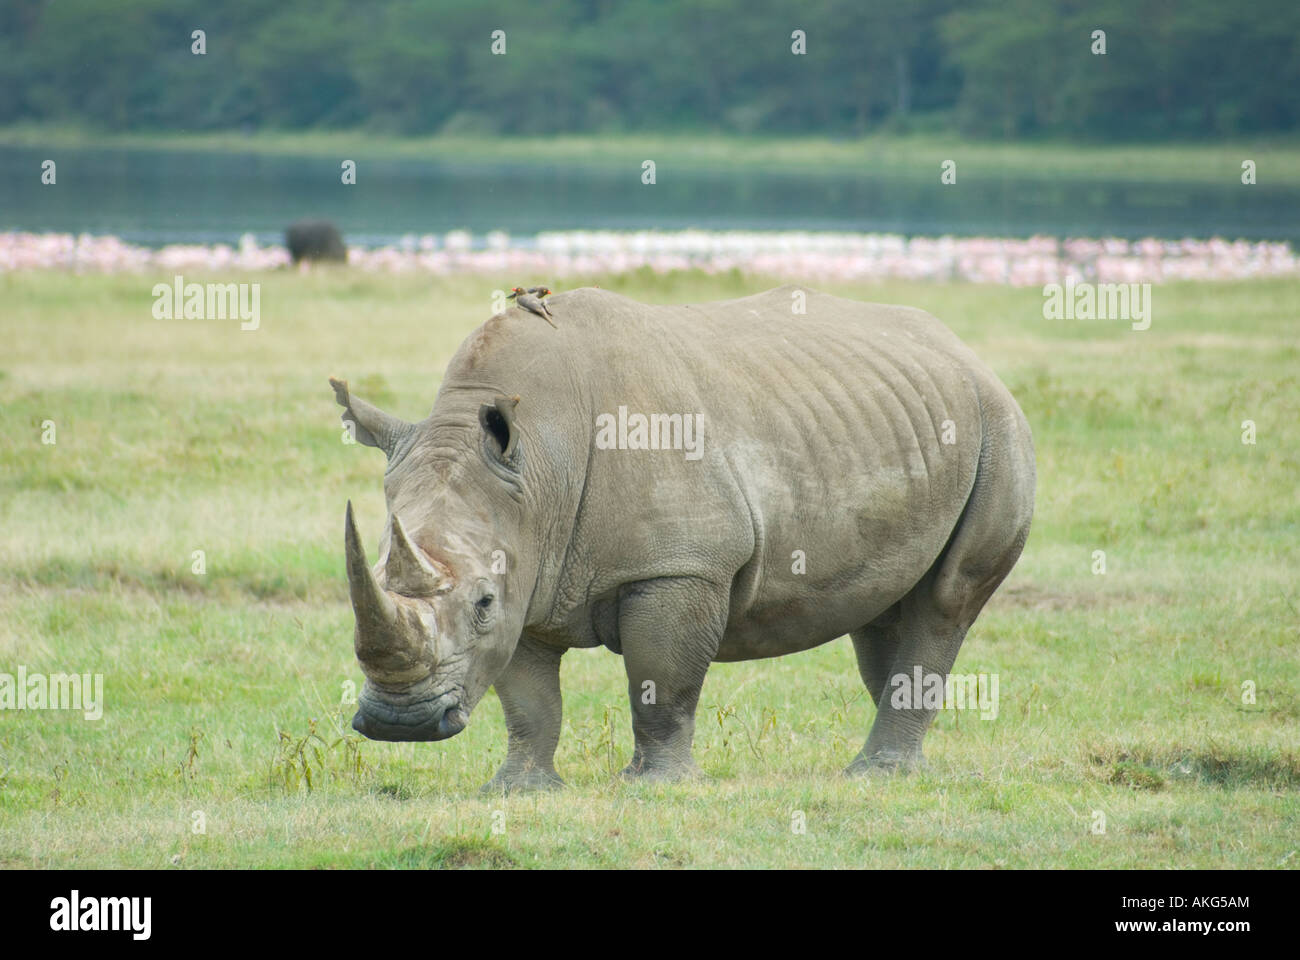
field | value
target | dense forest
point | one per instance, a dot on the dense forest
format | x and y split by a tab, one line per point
991	68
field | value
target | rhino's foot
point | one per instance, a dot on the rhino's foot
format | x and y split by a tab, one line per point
885	762
662	771
524	781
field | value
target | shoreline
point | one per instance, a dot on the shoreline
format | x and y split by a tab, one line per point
1276	158
827	257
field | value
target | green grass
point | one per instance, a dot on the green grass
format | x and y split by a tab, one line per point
1277	159
1120	694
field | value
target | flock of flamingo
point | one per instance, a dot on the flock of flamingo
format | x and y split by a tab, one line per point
823	256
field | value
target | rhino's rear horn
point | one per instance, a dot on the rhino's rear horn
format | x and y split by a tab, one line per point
409	572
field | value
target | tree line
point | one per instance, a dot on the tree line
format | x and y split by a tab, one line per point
989	68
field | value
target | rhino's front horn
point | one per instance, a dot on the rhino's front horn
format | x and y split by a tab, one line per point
376	613
409	571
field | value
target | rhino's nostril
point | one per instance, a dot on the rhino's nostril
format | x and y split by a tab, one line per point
452	722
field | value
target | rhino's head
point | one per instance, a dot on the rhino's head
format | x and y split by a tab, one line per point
435	623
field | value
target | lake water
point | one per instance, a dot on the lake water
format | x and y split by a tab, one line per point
158	197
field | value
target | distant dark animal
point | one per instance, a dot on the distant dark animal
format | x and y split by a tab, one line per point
315	240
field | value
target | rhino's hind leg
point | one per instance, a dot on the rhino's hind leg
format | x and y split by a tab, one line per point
529	690
914	631
925	629
670	630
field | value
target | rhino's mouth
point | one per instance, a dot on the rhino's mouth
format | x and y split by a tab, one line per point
401	718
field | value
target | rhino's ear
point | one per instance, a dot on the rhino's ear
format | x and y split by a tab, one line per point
370	425
501	431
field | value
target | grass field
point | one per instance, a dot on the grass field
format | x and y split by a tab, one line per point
1121	694
1276	158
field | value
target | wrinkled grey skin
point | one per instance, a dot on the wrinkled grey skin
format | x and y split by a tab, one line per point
823	433
315	240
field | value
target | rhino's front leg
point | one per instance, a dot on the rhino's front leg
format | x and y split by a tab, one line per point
669	630
529	690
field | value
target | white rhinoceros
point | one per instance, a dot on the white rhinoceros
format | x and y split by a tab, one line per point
683	485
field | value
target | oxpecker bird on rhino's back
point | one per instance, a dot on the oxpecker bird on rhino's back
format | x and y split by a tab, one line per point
683	485
531	303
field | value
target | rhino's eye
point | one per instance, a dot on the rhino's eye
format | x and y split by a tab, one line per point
484	611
